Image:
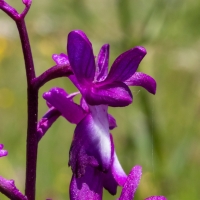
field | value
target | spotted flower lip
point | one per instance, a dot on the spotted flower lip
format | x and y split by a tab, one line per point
2	151
93	80
90	186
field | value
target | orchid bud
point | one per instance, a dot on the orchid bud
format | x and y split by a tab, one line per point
2	151
27	2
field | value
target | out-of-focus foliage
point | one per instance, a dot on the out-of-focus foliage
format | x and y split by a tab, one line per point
160	133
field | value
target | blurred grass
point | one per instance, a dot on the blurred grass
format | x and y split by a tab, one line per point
160	133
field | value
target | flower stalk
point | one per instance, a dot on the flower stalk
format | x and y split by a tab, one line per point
32	142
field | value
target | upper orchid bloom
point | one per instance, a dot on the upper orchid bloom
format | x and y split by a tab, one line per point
93	80
2	151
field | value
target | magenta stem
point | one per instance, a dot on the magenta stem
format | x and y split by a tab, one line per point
52	73
30	72
32	142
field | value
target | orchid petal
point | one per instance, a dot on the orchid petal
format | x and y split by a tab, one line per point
79	159
87	187
46	122
144	80
109	181
116	169
131	184
58	98
118	172
84	105
91	137
102	63
81	56
156	198
116	94
2	151
111	119
60	59
74	80
126	64
112	122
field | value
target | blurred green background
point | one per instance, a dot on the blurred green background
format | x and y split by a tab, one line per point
160	133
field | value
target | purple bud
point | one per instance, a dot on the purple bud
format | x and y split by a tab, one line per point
2	151
26	2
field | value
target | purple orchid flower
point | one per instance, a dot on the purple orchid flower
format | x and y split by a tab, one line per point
2	151
93	80
99	90
92	155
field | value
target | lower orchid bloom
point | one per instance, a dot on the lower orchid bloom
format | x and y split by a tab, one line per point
2	151
91	143
92	151
94	165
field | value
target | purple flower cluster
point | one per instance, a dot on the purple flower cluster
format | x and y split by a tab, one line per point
92	155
